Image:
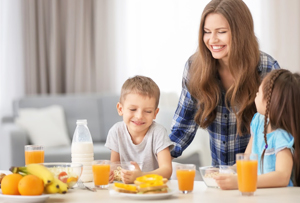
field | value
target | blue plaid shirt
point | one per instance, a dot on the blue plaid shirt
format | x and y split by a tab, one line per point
224	142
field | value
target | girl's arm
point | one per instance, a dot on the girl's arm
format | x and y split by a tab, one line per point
229	181
282	174
278	178
164	163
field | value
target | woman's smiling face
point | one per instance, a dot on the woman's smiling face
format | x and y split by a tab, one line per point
217	36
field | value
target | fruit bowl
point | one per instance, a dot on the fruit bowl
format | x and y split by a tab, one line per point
117	166
68	173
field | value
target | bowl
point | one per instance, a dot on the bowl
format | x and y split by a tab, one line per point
116	167
68	173
209	172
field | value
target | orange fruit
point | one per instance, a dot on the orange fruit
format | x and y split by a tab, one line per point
31	185
9	184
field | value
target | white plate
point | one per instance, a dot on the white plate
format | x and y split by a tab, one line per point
144	196
25	199
5	172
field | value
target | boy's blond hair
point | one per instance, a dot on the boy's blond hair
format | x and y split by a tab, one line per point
141	85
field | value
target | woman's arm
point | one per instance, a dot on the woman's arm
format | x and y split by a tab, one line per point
282	174
183	127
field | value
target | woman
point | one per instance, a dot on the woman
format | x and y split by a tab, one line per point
220	82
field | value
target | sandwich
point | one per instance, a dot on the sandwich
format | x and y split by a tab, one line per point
151	184
125	188
148	184
153	187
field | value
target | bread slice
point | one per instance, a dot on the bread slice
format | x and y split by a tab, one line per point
153	189
123	190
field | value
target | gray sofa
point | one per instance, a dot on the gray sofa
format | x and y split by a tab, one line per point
100	112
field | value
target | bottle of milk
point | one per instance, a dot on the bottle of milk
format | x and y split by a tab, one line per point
82	150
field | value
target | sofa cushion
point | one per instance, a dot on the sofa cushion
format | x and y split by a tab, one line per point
108	114
75	107
45	126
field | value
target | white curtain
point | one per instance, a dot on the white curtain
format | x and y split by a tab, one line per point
11	54
129	37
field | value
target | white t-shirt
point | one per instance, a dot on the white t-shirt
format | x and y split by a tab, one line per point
155	140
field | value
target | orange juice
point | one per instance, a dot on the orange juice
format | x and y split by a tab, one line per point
34	157
101	174
247	175
185	179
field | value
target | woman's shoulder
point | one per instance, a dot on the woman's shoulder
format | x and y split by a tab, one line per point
267	63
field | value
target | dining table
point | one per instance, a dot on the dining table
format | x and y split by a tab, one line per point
200	194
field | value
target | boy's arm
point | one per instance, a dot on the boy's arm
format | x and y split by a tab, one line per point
164	164
165	168
114	156
282	174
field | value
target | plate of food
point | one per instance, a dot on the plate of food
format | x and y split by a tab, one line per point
149	187
25	199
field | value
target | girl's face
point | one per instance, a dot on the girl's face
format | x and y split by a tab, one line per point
260	101
138	112
217	36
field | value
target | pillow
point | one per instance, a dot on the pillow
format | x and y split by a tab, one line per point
45	126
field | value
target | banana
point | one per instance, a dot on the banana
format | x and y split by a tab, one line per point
52	188
63	187
35	169
40	171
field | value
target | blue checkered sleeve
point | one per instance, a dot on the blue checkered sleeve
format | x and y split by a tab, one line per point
183	126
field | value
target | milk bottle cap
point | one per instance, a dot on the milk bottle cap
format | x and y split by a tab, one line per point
83	121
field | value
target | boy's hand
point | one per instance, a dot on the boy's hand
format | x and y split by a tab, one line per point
130	176
227	181
111	176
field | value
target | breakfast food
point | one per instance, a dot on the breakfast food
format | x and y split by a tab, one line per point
149	178
125	188
148	184
152	187
117	174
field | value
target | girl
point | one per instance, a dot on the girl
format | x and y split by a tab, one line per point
275	130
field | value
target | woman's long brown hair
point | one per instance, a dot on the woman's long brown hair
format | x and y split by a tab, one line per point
243	61
281	91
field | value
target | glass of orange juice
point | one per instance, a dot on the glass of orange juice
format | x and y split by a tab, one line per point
34	154
101	171
246	165
185	175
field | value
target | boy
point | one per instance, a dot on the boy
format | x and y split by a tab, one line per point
138	138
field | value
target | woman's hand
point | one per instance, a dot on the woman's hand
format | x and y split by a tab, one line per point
130	176
227	181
